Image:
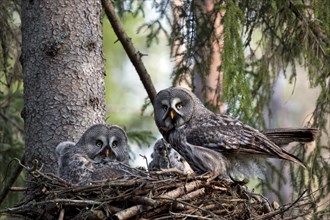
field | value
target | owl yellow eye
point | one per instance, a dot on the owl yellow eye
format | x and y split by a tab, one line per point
99	143
114	144
179	106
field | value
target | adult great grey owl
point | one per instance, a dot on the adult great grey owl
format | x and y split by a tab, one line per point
211	142
100	153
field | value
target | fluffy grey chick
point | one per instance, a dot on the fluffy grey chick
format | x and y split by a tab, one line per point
97	155
165	157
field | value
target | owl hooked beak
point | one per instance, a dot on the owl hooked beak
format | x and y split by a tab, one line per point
107	152
172	114
169	121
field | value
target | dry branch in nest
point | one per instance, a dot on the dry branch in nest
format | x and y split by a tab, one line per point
160	195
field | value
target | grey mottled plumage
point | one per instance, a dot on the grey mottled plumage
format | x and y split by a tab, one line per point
212	142
100	153
165	157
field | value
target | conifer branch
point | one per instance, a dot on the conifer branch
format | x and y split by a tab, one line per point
134	55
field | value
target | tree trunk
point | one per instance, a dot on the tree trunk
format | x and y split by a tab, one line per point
208	86
206	42
62	61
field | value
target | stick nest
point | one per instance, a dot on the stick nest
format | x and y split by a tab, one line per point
160	195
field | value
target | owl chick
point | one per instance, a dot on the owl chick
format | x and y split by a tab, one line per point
165	157
211	142
96	155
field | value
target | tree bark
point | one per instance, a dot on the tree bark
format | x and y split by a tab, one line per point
205	39
63	70
208	86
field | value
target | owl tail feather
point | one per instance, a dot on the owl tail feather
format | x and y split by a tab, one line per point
287	156
284	136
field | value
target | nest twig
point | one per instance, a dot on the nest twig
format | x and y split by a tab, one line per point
159	195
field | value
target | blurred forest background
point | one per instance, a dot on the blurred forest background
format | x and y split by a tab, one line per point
266	63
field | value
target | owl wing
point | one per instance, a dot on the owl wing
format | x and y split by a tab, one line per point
73	165
62	148
227	135
63	151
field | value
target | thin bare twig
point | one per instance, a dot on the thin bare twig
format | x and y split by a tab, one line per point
11	180
283	210
61	215
189	216
130	212
18	168
69	202
18	189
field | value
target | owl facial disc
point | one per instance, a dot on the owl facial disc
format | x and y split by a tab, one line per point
104	152
172	113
